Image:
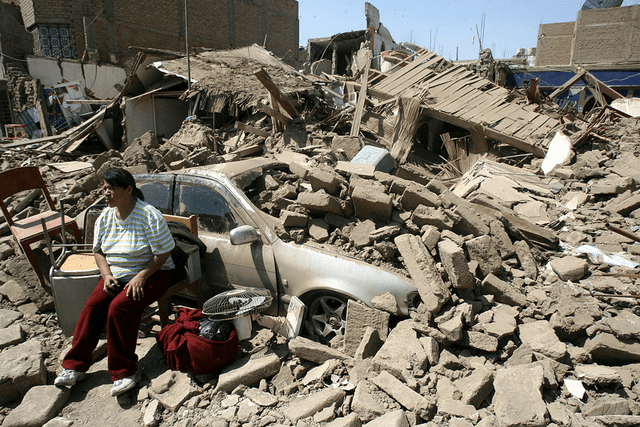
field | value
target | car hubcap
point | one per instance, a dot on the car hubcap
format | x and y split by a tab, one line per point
328	315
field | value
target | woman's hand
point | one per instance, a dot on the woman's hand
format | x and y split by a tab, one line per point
110	285
135	288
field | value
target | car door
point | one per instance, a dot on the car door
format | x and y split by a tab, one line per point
218	212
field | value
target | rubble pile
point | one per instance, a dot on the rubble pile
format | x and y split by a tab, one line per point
527	282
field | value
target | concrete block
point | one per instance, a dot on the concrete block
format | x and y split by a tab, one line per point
430	236
312	404
14	292
402	352
527	261
501	239
8	317
476	387
470	222
318	230
480	341
404	395
416	195
321	179
39	405
570	268
293	219
371	203
315	352
320	202
350	420
247	371
11	335
369	345
390	419
455	263
386	302
606	348
172	389
425	215
483	250
421	266
504	292
541	337
21	367
362	234
359	317
367	402
517	400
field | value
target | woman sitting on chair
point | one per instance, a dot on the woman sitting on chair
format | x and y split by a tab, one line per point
131	246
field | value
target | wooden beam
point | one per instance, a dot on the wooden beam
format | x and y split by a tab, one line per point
265	79
607	90
272	112
357	115
569	83
251	129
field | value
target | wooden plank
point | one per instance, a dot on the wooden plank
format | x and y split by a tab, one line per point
444	102
471	110
516	126
491	102
504	124
568	84
272	112
493	114
532	127
470	101
510	109
406	71
265	79
254	130
357	115
407	60
410	74
416	80
407	80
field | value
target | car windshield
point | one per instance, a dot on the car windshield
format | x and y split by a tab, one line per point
215	215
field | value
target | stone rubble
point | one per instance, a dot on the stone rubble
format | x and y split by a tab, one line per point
505	323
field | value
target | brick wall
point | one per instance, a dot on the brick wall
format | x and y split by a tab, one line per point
554	44
160	24
598	36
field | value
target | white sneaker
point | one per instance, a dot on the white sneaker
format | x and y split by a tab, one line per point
69	377
123	385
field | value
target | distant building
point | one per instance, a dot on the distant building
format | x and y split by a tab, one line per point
103	30
605	42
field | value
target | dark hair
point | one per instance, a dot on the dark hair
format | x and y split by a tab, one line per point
122	178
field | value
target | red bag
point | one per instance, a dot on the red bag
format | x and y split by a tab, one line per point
186	351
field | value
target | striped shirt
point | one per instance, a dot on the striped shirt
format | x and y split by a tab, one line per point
129	245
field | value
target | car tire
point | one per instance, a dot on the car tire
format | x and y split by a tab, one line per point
326	315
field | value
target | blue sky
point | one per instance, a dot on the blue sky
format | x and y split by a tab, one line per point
444	25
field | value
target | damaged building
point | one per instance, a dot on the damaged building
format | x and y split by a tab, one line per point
431	248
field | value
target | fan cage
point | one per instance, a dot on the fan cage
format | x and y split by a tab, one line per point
236	303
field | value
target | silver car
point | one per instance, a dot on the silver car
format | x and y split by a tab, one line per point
243	249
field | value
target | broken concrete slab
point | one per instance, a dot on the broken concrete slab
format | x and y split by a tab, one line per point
421	265
404	395
14	292
591	375
504	292
415	195
483	250
11	335
315	352
314	403
501	239
518	397
172	389
369	203
455	263
293	219
541	337
39	405
402	353
527	261
570	268
359	317
480	341
321	179
260	398
425	215
320	202
369	345
248	371
21	367
476	387
318	230
607	349
386	302
390	419
350	420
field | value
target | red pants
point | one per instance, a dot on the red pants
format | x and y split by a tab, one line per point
122	316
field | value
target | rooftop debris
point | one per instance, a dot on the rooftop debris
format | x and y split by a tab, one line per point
529	288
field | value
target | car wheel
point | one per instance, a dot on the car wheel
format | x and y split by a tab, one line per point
327	315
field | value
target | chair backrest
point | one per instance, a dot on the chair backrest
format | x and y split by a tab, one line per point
21	179
191	222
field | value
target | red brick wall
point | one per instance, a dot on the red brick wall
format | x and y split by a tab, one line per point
159	24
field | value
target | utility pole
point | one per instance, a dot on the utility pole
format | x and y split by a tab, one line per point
186	30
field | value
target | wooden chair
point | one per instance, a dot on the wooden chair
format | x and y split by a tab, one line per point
29	230
164	305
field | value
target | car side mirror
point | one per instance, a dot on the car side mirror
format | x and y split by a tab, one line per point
243	235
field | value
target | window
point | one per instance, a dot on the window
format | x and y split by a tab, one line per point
53	40
213	211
